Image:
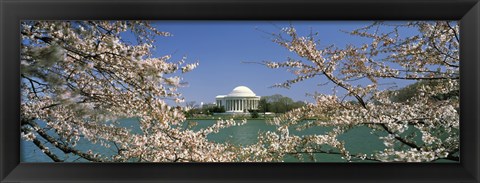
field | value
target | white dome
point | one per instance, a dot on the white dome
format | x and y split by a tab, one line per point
241	91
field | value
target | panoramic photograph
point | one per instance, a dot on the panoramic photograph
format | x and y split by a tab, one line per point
240	91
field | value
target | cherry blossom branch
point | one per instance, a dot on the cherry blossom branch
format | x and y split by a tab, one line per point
42	147
333	152
408	58
60	146
454	31
404	141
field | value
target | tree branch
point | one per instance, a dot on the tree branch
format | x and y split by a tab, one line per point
53	141
404	141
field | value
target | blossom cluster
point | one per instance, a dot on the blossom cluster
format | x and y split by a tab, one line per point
79	78
423	127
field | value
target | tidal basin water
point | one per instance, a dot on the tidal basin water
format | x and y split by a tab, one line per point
358	140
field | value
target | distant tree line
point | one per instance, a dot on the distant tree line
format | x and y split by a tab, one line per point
408	92
278	104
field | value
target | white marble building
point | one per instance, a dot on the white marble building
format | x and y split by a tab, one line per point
240	100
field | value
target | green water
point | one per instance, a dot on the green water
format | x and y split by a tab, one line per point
357	140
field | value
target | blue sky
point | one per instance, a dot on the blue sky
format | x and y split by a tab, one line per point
221	46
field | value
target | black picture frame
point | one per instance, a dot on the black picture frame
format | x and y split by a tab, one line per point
12	12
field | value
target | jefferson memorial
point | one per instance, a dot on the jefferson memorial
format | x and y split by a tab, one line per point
240	100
